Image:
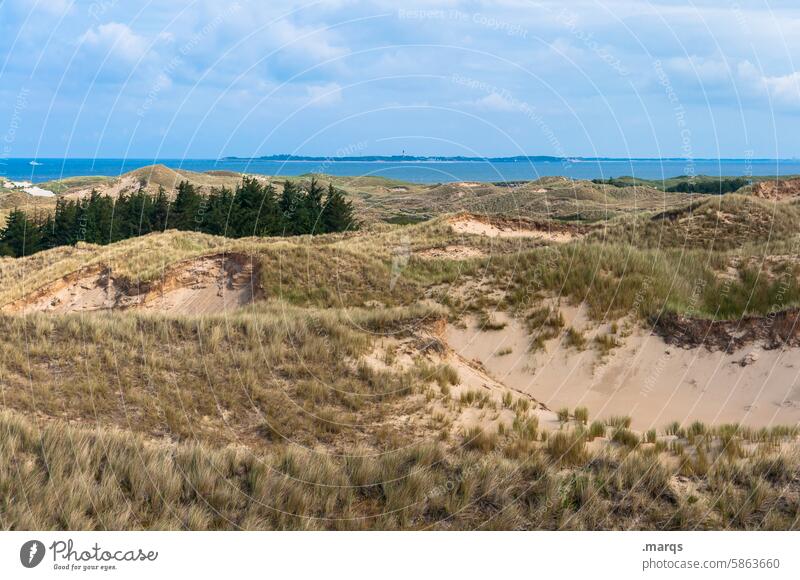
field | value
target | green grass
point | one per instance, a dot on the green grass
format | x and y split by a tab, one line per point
575	338
543	324
199	422
487	321
622	422
625	437
596	429
58	186
582	415
217	378
105	478
567	448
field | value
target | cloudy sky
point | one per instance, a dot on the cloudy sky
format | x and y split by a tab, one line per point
205	79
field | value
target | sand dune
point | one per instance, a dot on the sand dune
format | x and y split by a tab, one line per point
645	378
206	285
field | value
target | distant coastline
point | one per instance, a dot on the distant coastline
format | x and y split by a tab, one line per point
466	159
411	168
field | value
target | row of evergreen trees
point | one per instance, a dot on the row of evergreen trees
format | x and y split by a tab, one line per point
253	209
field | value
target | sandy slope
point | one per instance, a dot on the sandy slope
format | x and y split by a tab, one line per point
645	378
205	285
471	225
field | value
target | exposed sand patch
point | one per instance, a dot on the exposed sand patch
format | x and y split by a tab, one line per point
454	252
124	184
38	192
500	228
81	292
646	378
205	285
777	189
393	354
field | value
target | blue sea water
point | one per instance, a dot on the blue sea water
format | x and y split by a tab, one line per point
414	171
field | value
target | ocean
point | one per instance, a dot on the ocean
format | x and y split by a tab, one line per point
414	171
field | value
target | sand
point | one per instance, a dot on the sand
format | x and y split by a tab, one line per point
87	292
645	378
207	285
454	252
38	192
477	227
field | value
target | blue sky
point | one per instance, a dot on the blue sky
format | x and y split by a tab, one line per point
108	78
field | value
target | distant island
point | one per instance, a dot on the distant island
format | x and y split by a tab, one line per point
397	158
466	159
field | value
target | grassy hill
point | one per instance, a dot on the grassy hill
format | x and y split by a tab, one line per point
334	399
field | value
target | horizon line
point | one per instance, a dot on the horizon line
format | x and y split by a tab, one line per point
365	158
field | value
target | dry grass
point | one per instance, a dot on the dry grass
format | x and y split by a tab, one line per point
76	478
164	422
260	374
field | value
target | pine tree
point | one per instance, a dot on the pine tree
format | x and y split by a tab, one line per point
337	215
136	218
246	205
289	206
253	209
159	211
186	211
220	210
20	235
96	222
64	226
312	205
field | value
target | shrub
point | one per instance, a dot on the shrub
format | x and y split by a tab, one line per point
567	448
581	415
487	322
575	338
675	429
625	437
478	439
606	343
619	421
597	429
526	427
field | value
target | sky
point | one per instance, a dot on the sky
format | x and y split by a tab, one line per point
207	79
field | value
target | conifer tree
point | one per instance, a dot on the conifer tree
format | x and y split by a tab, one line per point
20	236
160	211
253	209
337	215
289	206
186	211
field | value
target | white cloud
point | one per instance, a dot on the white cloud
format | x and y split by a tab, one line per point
783	89
316	44
324	95
742	78
708	71
496	102
117	40
50	7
